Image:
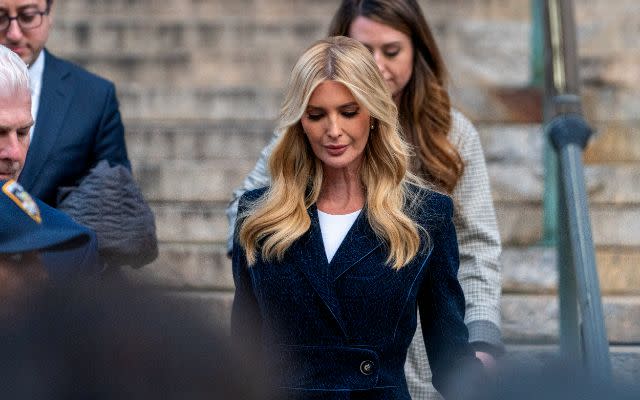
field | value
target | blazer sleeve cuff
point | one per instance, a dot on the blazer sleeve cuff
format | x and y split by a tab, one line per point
485	336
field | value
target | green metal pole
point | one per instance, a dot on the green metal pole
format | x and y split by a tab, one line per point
550	163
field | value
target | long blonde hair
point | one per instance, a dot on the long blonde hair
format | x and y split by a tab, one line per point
281	216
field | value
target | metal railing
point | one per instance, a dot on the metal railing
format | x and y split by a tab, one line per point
583	336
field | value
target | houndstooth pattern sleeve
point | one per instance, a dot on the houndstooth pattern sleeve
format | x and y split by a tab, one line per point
479	247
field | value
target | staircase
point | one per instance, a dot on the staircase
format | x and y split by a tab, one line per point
200	83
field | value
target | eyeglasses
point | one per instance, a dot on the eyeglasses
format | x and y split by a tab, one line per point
27	19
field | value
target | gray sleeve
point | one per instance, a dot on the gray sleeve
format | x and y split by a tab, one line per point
257	178
478	237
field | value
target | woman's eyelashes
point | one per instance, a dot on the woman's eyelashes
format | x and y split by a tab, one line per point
349	113
316	115
391	53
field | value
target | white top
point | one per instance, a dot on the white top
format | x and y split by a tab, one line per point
334	229
35	80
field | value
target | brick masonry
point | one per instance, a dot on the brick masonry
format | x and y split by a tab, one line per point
200	84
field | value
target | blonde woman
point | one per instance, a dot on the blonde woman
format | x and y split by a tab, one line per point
332	259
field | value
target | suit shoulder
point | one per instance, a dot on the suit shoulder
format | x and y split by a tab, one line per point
79	73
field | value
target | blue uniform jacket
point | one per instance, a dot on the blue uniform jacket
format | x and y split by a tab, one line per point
341	330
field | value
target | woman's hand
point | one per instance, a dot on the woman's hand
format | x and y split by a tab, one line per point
487	360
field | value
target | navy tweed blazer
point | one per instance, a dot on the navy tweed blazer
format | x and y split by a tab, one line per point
341	330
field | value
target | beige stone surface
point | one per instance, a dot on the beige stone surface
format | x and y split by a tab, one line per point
615	142
533	270
200	85
183	266
534	319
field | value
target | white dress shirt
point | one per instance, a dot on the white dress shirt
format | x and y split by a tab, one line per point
35	79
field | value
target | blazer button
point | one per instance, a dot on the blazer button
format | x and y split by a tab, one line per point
366	367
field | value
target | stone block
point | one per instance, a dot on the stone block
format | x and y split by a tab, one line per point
191	180
617	68
519	223
516	183
191	222
199	103
512	144
490	104
197	140
529	269
525	319
498	10
614	141
534	319
619	270
616	225
184	266
614	184
465	44
607	185
606	28
533	270
609	103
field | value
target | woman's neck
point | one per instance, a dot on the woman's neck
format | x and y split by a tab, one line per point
341	193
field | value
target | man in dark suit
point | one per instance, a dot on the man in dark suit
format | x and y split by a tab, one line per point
77	121
26	224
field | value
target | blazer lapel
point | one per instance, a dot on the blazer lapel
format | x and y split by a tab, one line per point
313	263
360	241
55	97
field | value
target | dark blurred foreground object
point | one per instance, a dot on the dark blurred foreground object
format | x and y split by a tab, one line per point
120	343
109	201
555	379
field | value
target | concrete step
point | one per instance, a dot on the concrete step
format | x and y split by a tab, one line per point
525	319
613	142
206	50
159	140
519	223
525	270
190	222
533	270
187	266
516	145
513	9
534	318
483	105
625	360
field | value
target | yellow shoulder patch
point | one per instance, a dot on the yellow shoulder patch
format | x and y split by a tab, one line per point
15	192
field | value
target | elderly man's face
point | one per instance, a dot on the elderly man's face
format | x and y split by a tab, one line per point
27	42
15	122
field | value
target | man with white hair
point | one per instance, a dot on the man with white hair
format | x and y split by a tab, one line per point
28	225
15	114
77	119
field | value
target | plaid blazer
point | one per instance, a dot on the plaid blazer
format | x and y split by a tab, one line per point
478	241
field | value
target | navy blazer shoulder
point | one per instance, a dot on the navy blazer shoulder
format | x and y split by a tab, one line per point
331	329
78	124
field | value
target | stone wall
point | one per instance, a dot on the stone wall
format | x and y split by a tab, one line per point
200	82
